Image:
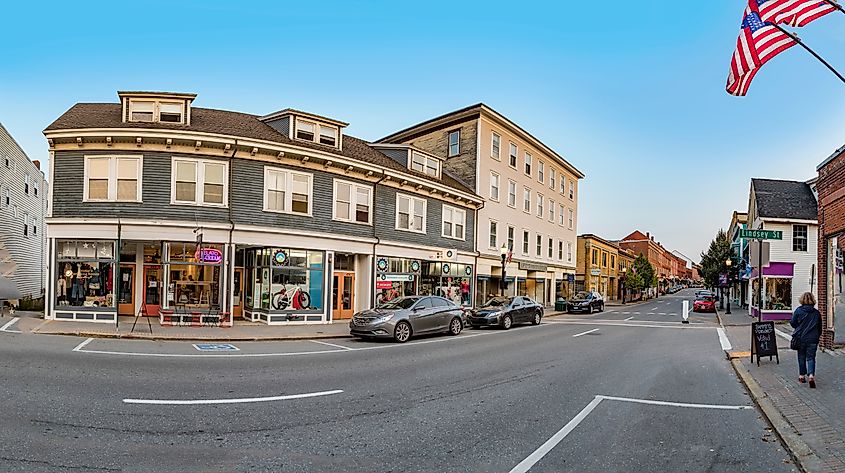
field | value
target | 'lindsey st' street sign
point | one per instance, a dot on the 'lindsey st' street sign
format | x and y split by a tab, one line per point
761	234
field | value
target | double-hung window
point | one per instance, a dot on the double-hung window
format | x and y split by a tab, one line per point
540	205
526	197
494	186
552	178
410	213
352	202
799	238
113	178
511	193
560	250
200	182
494	237
25	224
571	219
552	211
316	132
496	147
595	259
541	171
7	197
289	191
454	222
571	189
425	164
26	185
514	151
510	238
569	252
551	247
613	261
562	184
539	246
526	237
454	143
561	216
527	163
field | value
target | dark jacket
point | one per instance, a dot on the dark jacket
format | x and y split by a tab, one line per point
807	322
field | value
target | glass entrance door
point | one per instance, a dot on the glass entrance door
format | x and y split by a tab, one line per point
126	284
152	290
343	303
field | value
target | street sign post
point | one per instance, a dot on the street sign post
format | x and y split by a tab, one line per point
760	235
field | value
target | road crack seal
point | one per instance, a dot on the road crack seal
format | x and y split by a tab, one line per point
54	465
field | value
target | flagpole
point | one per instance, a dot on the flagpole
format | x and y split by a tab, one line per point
801	43
836	5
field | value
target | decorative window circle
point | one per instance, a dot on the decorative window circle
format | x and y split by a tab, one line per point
468	270
280	257
415	266
381	264
446	268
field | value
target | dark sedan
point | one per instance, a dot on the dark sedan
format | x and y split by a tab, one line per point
585	301
505	311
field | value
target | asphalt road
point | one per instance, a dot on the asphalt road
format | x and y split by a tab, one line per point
487	400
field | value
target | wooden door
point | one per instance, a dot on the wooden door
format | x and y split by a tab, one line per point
152	289
343	305
126	285
237	297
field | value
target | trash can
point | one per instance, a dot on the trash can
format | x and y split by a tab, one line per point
560	304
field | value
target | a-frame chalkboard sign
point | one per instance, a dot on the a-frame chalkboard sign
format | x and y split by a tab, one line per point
764	341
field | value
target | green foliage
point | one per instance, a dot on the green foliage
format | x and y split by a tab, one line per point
646	271
714	261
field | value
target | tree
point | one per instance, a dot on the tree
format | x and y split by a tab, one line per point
713	262
646	271
633	282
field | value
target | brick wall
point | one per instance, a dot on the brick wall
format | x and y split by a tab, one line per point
831	188
437	142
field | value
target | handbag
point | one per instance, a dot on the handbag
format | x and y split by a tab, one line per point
795	343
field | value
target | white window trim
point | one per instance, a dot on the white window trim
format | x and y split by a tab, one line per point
552	210
541	171
411	214
562	217
571	219
527	162
530	204
498	156
516	155
354	186
541	206
112	185
498	187
490	224
317	126
200	182
552	178
455	210
427	159
157	110
526	242
538	254
449	143
571	189
514	193
289	192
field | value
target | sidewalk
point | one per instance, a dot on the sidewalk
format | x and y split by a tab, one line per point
811	422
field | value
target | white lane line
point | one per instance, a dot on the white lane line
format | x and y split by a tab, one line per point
585	333
551	443
723	339
629	318
783	334
245	400
5	328
676	404
83	344
676	325
330	344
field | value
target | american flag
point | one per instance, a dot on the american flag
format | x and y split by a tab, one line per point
791	12
758	43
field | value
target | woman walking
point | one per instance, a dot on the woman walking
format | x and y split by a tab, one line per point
807	323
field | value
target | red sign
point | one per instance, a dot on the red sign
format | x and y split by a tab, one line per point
209	255
384	285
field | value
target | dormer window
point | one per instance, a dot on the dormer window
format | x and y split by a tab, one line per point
316	132
151	111
425	164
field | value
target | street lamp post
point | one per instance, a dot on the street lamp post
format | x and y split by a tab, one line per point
624	272
728	263
504	252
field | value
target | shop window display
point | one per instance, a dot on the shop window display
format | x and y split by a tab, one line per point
777	294
194	276
285	280
836	286
85	274
452	281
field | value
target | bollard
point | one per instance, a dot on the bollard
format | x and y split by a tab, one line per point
686	313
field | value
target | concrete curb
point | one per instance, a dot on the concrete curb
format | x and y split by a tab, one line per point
154	337
804	457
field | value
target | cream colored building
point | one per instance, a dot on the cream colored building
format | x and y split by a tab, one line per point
530	193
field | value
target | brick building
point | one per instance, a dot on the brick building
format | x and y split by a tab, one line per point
831	201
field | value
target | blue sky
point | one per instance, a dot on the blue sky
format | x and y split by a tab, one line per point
632	94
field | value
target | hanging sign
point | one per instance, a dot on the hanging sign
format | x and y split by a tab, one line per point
208	255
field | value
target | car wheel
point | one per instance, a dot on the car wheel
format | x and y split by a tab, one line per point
590	309
455	326
536	319
507	322
601	307
402	332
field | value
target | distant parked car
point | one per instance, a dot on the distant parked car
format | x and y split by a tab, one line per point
505	311
704	303
586	301
402	318
703	293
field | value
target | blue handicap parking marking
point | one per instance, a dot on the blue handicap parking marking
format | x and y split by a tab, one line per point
215	347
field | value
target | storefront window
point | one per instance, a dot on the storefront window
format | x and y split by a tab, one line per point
285	280
778	294
396	277
836	286
195	276
452	281
85	273
755	293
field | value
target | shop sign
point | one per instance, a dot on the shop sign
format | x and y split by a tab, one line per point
415	266
570	277
446	268
526	266
468	270
384	285
396	277
209	255
595	272
381	264
280	257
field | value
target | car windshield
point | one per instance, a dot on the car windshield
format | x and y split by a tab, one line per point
398	304
499	302
582	295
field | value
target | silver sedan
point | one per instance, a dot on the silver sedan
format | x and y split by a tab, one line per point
402	318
